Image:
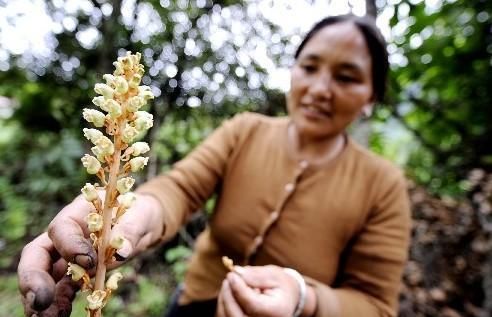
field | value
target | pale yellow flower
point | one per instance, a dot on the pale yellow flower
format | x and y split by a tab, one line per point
145	92
144	120
116	242
121	85
91	164
76	271
135	103
118	69
104	90
127	199
113	108
135	81
105	146
137	163
89	192
140	148
129	134
109	80
94	221
96	299
124	185
99	101
96	117
92	134
112	282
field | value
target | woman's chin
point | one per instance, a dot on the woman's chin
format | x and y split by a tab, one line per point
314	131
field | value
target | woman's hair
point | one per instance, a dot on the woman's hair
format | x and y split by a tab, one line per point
375	43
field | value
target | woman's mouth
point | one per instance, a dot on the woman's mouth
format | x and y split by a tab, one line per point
314	112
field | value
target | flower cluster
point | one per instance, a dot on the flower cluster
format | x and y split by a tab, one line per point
118	122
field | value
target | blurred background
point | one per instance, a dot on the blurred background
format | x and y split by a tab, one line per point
207	60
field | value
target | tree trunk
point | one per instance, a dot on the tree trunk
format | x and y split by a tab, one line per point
371	9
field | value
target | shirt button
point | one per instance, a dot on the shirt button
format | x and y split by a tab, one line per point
258	241
274	215
303	164
289	187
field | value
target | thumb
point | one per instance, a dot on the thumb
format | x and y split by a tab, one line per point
134	232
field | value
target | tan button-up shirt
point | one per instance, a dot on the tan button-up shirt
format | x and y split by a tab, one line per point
344	224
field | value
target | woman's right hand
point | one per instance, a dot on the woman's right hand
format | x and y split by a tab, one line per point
46	289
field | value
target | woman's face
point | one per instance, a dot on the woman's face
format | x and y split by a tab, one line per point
331	81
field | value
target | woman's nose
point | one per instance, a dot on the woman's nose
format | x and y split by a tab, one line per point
322	86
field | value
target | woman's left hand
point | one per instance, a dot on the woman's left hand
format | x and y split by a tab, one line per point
258	291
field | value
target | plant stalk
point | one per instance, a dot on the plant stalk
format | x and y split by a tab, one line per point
109	200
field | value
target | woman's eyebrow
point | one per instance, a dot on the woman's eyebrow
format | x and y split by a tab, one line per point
310	57
350	67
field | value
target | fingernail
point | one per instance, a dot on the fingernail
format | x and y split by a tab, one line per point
30	297
125	251
84	260
41	300
34	315
119	257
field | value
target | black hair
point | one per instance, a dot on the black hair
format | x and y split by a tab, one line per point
375	43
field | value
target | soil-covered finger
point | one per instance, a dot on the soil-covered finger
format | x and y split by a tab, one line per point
69	234
34	271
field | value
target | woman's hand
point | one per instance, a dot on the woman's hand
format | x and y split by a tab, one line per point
261	291
46	289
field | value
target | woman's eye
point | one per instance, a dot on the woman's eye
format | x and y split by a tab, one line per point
346	78
309	68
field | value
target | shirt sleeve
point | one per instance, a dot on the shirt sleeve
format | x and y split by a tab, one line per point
371	272
192	180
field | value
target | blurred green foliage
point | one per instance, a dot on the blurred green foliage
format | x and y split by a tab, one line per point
436	121
440	84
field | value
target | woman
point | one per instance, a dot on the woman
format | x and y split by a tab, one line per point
295	195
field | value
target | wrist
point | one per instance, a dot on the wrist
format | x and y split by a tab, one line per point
311	303
301	303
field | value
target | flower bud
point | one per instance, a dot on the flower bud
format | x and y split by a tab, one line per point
126	200
124	185
116	242
90	193
144	120
138	163
145	92
135	81
99	101
76	271
106	147
96	300
121	85
141	70
91	164
126	62
98	153
140	148
136	58
104	90
94	221
129	133
112	282
92	134
135	103
118	69
109	80
94	116
113	108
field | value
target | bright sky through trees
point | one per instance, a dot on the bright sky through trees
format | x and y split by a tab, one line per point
32	28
